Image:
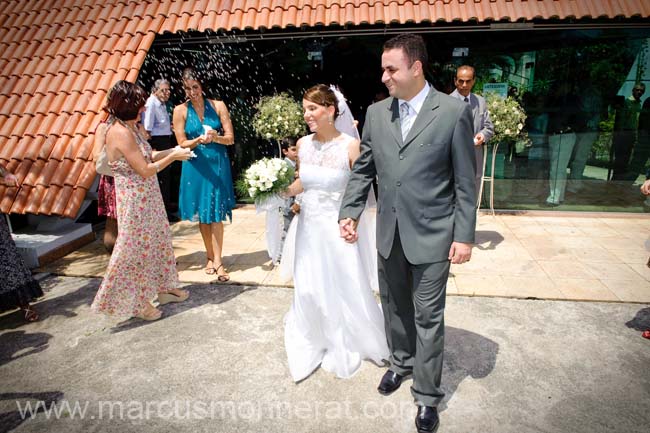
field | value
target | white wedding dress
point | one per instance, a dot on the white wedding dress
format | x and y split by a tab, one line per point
334	319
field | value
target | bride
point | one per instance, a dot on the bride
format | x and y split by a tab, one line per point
334	320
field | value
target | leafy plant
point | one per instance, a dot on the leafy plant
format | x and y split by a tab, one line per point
508	118
278	116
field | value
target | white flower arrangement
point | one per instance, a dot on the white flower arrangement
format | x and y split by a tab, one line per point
279	116
508	118
265	178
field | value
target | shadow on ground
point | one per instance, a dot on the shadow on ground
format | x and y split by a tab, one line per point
487	236
467	354
641	320
200	294
12	419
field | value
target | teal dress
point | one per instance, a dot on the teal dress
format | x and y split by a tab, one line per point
206	192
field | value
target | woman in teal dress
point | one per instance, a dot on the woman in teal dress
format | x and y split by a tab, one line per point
206	191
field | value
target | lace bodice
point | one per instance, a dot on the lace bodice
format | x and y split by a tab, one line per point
324	169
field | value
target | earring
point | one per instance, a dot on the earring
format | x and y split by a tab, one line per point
330	119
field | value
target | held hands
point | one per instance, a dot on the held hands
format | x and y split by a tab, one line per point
460	252
348	230
645	188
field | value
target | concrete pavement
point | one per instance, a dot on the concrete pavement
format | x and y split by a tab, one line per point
521	355
216	363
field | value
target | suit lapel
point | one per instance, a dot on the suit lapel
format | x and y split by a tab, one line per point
395	125
426	115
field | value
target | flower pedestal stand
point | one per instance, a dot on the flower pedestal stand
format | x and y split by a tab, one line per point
488	178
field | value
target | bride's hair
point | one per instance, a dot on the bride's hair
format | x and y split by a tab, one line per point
322	95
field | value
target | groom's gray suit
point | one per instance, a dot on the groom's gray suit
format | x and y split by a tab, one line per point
426	201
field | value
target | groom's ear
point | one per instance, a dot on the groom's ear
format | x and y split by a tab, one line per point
417	68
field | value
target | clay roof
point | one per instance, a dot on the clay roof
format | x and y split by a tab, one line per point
58	58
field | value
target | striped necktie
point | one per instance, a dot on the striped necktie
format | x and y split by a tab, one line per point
405	119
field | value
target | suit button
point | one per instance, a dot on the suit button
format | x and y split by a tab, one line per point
399	183
401	157
393	209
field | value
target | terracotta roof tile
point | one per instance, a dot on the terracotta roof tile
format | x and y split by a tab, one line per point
32	128
37	167
6	151
34	199
48	199
45	128
20	200
86	149
61	201
87	176
98	101
58	58
22	170
47	173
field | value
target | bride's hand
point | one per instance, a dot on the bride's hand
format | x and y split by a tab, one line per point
348	230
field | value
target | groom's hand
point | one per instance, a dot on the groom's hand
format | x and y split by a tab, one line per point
348	229
460	252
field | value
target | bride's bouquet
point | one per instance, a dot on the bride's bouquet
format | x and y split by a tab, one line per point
263	182
265	179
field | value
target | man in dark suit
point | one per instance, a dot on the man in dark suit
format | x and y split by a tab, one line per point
419	143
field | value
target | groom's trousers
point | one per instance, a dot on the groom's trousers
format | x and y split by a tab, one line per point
413	301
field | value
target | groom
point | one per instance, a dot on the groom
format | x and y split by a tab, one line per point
419	144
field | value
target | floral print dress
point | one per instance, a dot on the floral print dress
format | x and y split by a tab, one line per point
143	262
17	286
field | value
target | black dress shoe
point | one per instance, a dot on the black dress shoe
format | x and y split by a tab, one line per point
427	420
390	382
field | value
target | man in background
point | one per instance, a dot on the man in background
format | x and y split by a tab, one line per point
157	124
483	127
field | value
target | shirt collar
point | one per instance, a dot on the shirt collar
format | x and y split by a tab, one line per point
416	102
457	94
154	99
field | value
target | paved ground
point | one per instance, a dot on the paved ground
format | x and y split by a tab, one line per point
216	364
544	256
521	355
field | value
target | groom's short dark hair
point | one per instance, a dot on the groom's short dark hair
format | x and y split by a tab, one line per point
413	46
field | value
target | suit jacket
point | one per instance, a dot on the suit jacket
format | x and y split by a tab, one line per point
425	183
482	122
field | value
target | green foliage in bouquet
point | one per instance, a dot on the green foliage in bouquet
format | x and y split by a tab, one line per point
265	178
278	116
508	118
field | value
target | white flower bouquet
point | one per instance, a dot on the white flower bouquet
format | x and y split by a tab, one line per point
278	116
508	118
265	178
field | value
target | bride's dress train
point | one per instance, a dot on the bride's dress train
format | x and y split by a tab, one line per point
334	319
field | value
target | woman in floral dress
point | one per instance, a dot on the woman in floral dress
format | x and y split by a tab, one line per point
142	266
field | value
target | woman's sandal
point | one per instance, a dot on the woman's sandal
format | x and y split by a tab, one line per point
149	315
168	297
210	270
222	278
30	314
